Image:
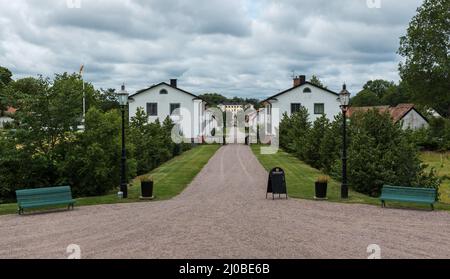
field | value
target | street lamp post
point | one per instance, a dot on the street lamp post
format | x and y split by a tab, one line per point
123	101
344	98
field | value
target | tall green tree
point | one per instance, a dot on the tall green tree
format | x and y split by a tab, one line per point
378	86
5	80
426	49
314	140
365	98
316	81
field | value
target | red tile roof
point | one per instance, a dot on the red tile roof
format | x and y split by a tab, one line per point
11	110
397	113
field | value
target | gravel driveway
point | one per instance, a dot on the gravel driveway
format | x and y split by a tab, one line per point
224	214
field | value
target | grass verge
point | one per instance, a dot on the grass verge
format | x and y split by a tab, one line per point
170	179
300	179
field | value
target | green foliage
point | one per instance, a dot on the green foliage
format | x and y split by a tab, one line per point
376	158
314	142
5	79
365	98
107	99
378	86
217	99
331	145
379	151
426	49
381	92
91	163
294	131
5	76
316	81
153	142
436	137
47	148
214	98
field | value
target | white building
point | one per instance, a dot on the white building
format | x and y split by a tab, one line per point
184	108
317	100
232	110
406	114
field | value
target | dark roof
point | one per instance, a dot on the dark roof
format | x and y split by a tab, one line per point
295	87
165	83
397	113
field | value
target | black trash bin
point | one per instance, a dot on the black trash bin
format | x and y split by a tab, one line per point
321	188
146	188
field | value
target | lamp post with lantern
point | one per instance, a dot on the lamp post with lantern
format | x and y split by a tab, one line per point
123	101
344	98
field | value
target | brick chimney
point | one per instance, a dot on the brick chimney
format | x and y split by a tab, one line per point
302	79
299	80
296	81
173	82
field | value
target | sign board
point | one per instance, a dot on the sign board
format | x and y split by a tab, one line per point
277	183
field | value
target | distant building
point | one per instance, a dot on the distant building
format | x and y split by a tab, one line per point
5	117
164	100
409	117
317	100
232	110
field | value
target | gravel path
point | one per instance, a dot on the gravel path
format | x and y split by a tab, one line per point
224	214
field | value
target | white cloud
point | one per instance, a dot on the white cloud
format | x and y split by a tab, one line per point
238	47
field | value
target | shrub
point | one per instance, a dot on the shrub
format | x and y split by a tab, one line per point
92	163
293	132
376	158
314	141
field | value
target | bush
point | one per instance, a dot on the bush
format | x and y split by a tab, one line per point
314	141
389	157
92	163
434	138
294	131
379	151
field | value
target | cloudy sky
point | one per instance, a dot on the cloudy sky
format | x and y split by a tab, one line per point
247	48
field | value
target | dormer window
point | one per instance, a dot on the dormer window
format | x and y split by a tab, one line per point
307	90
163	92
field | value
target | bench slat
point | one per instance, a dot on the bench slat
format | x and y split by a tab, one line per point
41	197
408	194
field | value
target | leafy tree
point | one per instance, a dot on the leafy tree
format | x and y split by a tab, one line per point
378	86
5	80
426	49
396	94
293	132
376	158
5	76
365	98
214	98
91	164
314	140
316	81
331	145
107	99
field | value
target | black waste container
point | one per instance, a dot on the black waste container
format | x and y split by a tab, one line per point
147	189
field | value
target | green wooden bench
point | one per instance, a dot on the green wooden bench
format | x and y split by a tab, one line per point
408	194
44	197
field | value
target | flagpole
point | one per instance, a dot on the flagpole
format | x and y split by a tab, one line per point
84	101
84	95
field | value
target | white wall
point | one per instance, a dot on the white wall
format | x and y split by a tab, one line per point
331	102
192	111
414	121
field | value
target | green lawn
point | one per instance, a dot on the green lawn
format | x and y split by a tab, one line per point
441	163
170	179
300	179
